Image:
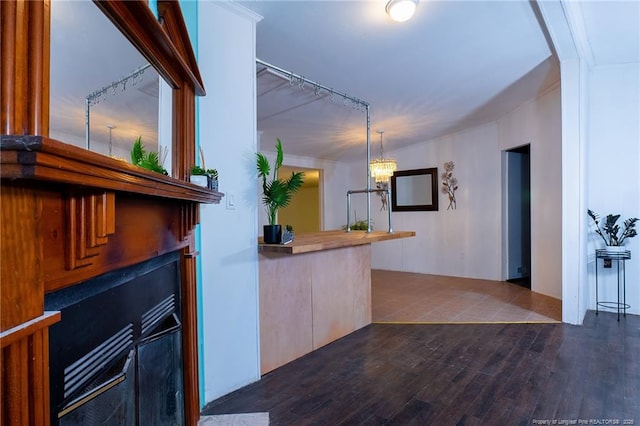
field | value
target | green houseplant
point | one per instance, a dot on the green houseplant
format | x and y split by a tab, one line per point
276	193
148	160
198	176
610	232
212	179
202	176
287	234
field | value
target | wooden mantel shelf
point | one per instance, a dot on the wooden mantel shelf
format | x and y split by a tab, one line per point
327	240
45	159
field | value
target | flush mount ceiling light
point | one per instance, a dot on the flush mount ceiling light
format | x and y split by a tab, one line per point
401	10
382	168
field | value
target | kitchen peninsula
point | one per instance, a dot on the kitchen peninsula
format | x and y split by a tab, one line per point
313	291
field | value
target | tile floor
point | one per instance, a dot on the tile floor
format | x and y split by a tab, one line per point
409	297
243	419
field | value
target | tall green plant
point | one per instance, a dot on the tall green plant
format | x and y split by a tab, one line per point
276	193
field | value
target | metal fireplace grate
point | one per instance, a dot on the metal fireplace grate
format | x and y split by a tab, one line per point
158	313
107	399
81	371
116	356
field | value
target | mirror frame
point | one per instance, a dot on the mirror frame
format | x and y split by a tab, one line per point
164	42
432	206
156	39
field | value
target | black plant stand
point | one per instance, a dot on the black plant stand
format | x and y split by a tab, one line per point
617	256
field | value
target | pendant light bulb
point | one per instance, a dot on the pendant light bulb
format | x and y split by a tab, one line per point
401	10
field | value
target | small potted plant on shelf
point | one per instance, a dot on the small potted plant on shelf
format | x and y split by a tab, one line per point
287	235
212	179
611	233
199	176
202	176
276	193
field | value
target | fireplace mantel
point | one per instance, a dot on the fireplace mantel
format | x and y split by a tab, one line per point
94	213
68	214
43	159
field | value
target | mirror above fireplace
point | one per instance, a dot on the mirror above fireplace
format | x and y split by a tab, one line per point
103	92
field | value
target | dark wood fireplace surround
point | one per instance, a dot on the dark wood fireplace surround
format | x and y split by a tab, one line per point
69	214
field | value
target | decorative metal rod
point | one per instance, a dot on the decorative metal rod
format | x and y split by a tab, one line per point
317	87
94	97
368	191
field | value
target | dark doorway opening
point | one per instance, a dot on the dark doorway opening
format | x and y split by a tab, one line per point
518	215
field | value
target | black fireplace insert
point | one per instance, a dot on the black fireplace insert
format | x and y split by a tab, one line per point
116	355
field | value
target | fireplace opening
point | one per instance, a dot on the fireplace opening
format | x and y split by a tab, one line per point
116	355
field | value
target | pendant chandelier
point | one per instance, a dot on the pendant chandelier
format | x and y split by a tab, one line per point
382	168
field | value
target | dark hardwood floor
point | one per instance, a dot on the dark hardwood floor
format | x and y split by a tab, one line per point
458	374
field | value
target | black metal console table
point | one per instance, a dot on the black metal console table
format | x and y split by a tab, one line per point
617	256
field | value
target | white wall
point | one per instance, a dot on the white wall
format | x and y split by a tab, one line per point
467	242
614	178
538	123
227	118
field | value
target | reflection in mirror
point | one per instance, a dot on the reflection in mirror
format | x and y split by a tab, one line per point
97	74
414	190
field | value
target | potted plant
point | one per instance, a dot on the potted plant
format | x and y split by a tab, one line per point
610	232
202	176
199	176
212	179
358	225
287	235
147	160
276	193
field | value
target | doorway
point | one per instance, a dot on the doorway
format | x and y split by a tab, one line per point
516	191
304	211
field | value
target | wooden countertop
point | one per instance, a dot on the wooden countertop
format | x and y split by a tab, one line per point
327	240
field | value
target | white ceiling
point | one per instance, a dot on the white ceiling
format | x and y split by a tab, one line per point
454	65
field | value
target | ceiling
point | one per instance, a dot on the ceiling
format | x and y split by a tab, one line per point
455	64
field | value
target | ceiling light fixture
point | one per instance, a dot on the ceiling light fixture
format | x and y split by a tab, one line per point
382	168
401	10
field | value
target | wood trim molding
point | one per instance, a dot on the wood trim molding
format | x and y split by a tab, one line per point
90	219
190	340
184	133
15	334
41	158
136	21
24	362
24	69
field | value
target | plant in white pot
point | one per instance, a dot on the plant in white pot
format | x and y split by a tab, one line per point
198	176
276	193
611	233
